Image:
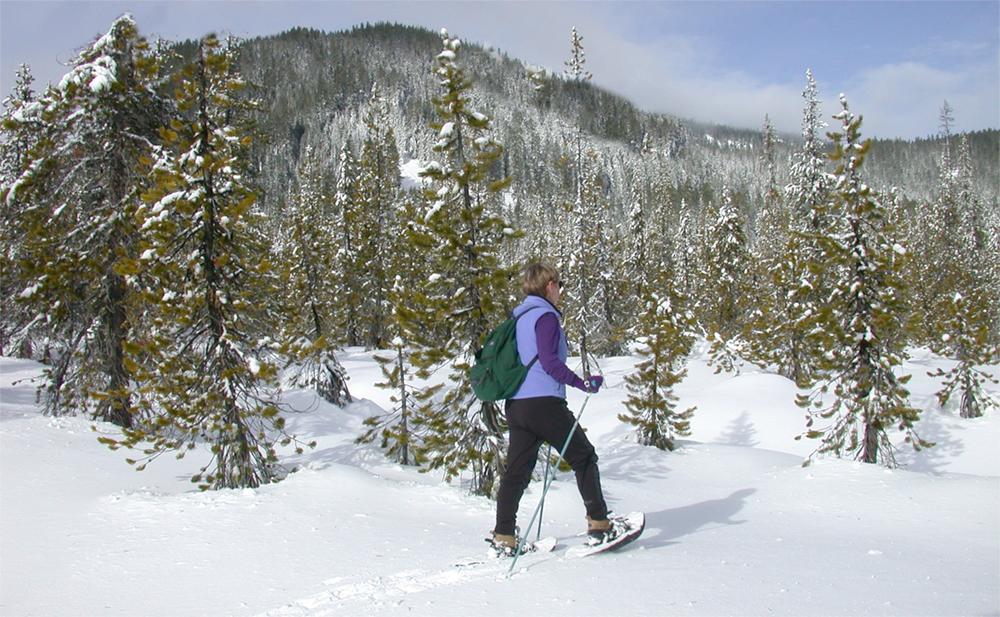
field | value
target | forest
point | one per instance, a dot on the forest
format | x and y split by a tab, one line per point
190	227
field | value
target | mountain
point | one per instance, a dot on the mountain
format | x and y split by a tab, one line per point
315	85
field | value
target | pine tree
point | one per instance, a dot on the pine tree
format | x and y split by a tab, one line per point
802	272
20	127
589	272
311	253
378	192
575	70
75	196
962	313
727	268
685	251
395	430
347	213
206	358
465	293
862	317
664	336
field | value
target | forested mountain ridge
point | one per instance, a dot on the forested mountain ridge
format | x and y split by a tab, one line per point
315	86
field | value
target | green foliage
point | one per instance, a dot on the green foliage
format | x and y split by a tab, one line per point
311	300
395	429
375	221
862	318
205	361
726	286
84	150
467	290
664	333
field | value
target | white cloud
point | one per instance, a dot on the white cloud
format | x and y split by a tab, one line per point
904	99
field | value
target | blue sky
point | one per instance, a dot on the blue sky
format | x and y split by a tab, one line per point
717	62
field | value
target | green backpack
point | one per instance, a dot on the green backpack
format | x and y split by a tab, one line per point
498	372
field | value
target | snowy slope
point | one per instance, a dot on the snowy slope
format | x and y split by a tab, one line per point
735	524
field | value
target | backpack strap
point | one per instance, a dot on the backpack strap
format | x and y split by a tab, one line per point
517	317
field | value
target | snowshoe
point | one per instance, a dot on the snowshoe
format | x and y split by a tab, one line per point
623	529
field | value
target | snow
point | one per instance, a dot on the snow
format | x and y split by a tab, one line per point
409	173
735	524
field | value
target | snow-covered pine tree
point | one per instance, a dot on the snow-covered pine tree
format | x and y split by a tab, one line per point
467	291
664	334
863	317
206	361
346	213
965	306
76	195
313	303
802	273
575	70
397	430
770	334
685	251
726	278
936	232
20	130
636	254
589	292
378	192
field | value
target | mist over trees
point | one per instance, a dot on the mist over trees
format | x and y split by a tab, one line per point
184	223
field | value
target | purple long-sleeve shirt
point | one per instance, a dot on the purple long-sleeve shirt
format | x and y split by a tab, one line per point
547	333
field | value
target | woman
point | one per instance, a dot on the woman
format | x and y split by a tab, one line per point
538	413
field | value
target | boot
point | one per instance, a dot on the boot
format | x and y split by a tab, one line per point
600	531
503	544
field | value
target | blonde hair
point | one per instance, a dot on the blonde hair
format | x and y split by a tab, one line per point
536	278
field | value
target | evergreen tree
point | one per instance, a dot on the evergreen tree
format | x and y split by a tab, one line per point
466	292
961	316
862	318
206	358
802	272
727	278
378	192
311	253
589	273
664	336
575	65
685	251
75	198
348	263
395	429
20	127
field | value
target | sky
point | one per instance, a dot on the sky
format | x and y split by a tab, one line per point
727	63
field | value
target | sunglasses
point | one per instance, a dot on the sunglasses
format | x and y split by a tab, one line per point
559	283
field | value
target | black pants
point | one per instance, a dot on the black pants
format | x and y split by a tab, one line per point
533	421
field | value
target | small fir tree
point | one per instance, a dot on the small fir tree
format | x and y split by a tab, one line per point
311	252
665	340
395	430
727	275
862	317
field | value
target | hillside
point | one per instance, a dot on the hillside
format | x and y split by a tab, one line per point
315	86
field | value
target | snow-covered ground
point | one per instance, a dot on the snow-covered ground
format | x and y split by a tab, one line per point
735	524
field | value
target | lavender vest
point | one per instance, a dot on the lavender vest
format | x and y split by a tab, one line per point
538	382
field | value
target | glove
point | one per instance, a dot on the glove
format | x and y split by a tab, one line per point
592	384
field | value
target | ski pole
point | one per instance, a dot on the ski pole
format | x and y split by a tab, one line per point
541	512
545	489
